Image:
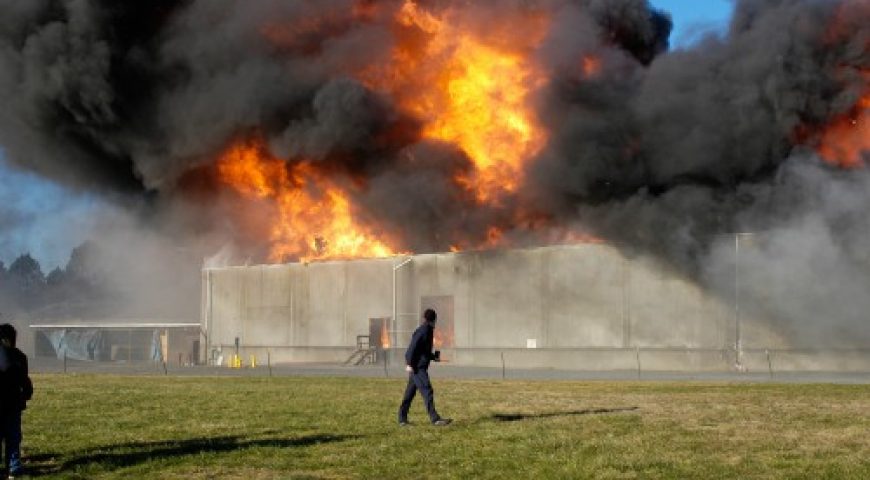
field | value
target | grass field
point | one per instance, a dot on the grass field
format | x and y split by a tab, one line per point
104	426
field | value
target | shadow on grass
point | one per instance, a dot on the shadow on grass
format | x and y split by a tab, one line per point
513	417
128	454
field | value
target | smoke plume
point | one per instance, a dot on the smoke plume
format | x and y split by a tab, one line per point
666	153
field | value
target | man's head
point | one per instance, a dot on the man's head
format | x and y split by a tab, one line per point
8	335
430	316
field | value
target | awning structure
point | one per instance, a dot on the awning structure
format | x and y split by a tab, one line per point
118	341
114	325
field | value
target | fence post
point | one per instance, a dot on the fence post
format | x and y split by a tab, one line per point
64	360
269	361
637	358
769	364
502	365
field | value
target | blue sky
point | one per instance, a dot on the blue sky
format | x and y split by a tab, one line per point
41	218
48	221
693	17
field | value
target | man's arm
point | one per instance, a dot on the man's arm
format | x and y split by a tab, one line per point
415	349
27	385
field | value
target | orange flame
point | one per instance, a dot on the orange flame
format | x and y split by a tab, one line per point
443	336
314	217
471	91
591	66
846	141
471	84
385	335
437	339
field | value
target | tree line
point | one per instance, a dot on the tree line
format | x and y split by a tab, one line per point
68	291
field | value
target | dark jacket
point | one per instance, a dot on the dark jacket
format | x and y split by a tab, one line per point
15	385
419	352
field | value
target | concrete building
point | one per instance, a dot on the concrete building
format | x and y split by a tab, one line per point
584	307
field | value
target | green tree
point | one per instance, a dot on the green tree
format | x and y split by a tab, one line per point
26	282
56	277
82	265
26	273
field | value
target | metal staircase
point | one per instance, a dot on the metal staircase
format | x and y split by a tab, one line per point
365	353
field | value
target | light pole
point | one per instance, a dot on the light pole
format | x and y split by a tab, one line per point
738	339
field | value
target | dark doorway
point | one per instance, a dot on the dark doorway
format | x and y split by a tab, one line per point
379	333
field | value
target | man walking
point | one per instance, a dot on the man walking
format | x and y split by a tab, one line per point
15	390
417	359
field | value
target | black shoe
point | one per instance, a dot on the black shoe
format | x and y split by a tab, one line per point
442	422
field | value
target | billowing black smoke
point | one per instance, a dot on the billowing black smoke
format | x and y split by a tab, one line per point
676	158
130	97
663	153
698	129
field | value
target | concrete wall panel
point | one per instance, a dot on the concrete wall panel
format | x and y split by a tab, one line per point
369	295
326	304
668	310
507	299
585	306
226	320
269	317
584	296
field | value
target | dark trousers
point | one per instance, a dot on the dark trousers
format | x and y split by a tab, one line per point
418	380
10	434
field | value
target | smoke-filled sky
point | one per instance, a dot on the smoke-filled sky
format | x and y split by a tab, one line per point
333	128
48	220
25	198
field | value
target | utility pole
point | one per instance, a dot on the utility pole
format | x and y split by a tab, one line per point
738	338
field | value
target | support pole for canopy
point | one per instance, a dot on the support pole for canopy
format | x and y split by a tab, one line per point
395	302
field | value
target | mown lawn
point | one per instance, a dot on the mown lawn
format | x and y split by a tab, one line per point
155	427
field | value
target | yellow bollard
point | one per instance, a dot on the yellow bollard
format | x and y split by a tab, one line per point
237	362
253	361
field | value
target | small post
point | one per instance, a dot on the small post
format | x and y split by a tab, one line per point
269	361
165	371
386	373
769	364
502	365
64	360
637	359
